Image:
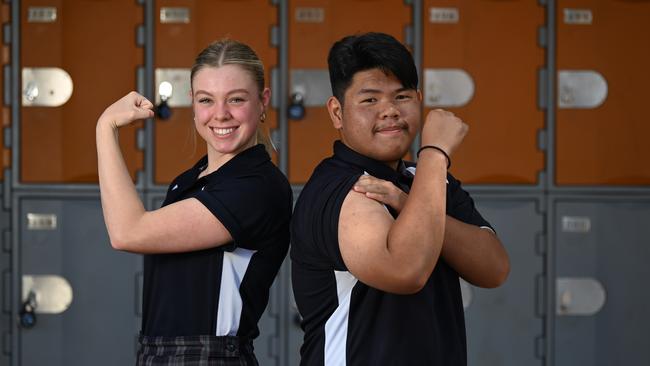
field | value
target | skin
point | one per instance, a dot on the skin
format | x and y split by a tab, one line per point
380	120
227	106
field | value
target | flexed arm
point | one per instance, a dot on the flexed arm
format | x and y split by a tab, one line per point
183	226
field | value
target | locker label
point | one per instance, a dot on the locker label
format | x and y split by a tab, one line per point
310	15
41	14
577	16
174	15
444	15
576	224
36	221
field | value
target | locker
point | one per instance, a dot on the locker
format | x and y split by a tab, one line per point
480	61
77	57
84	292
603	143
601	256
504	324
313	27
6	321
182	30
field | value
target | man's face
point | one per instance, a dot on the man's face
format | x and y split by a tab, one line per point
380	118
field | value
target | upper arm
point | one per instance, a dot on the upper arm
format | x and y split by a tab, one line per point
183	226
364	225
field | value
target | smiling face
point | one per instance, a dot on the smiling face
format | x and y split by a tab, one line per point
227	106
379	118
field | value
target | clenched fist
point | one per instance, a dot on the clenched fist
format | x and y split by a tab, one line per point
129	108
443	129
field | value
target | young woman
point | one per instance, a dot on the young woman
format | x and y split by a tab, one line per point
214	248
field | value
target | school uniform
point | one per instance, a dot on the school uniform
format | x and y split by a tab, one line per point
347	322
202	307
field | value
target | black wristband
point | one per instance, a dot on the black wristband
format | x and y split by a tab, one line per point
436	148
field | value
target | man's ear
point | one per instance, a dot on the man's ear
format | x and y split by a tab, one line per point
336	112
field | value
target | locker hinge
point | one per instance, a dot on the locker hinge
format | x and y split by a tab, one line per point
6	291
6	74
6	31
275	88
542	36
140	36
6	241
275	36
6	190
7	137
409	36
540	347
542	87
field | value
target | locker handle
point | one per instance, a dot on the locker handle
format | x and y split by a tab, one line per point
296	108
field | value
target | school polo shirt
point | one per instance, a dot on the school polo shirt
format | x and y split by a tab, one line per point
349	323
222	290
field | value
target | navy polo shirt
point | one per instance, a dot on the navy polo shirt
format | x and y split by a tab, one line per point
349	323
222	290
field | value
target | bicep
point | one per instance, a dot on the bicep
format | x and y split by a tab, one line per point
362	234
183	226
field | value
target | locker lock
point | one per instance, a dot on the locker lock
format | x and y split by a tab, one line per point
163	111
296	109
27	316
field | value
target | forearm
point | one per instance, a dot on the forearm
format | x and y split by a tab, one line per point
121	204
416	237
475	253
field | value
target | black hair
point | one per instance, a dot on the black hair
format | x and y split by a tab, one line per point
368	51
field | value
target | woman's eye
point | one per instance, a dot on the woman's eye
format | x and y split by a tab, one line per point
236	100
204	100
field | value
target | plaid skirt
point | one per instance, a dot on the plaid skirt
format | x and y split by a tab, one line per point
203	350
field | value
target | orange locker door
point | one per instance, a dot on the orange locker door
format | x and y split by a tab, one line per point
480	61
602	124
77	58
313	27
183	28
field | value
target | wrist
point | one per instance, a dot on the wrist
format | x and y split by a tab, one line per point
437	150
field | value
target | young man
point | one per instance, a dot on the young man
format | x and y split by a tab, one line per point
377	249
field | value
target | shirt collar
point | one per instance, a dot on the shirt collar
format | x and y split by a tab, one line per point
239	164
371	166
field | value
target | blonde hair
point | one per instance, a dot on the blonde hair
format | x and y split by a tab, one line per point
231	52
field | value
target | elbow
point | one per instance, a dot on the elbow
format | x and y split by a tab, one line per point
411	282
499	275
121	242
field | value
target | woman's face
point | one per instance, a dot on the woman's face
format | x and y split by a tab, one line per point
227	108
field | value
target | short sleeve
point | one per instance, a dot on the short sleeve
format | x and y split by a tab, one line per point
316	221
254	208
460	205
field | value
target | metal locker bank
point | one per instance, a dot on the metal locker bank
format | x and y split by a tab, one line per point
556	159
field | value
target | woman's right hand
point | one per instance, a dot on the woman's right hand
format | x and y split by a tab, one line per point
444	130
129	108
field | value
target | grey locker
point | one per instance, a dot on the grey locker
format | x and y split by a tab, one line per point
503	324
601	255
65	238
268	344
